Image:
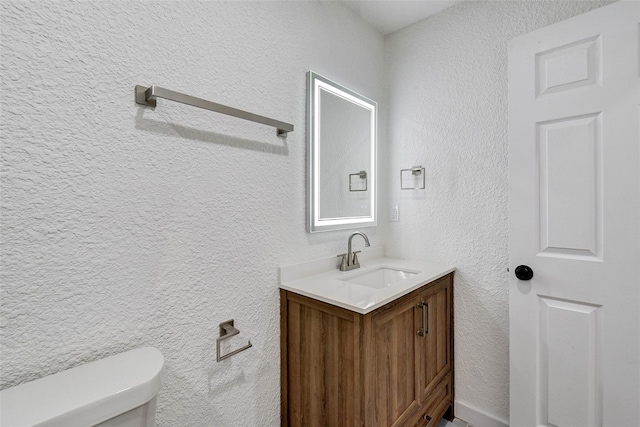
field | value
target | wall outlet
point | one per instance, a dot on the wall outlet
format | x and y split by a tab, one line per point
394	215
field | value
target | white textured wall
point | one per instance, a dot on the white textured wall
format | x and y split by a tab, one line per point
447	103
123	226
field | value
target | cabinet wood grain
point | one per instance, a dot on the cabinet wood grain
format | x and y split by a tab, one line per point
340	368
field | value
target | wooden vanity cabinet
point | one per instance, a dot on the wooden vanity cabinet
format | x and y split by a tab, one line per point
341	368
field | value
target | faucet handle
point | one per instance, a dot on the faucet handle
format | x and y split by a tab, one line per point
343	262
354	260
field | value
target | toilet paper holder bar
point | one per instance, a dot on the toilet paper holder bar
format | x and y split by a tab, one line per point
227	330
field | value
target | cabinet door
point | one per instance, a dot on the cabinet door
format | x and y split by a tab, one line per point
321	345
436	340
395	357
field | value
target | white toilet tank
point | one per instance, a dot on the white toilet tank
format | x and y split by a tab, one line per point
118	391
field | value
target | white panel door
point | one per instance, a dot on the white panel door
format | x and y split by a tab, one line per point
574	171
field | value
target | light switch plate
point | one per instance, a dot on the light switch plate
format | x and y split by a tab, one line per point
394	214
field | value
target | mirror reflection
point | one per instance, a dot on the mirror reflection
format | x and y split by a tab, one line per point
341	133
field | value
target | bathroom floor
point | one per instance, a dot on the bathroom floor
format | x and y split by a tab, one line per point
456	423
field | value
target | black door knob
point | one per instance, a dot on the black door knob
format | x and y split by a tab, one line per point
524	272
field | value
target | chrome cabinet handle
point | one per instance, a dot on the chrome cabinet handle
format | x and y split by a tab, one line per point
427	320
424	330
421	331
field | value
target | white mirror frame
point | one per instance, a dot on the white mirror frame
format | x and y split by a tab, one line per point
316	83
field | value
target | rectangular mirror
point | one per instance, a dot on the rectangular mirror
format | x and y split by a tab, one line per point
341	151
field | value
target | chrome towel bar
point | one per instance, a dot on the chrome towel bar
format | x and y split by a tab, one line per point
147	96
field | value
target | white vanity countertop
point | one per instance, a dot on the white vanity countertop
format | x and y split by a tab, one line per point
331	287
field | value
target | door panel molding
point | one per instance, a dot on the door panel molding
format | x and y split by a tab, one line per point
570	387
571	190
568	67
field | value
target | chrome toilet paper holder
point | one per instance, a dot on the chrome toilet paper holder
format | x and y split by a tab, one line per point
227	330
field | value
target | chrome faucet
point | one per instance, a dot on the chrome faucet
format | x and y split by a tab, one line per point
350	259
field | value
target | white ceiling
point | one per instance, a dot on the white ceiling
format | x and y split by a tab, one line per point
391	15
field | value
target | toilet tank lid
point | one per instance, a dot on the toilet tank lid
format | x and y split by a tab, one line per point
88	394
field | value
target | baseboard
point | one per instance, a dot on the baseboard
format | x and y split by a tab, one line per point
476	417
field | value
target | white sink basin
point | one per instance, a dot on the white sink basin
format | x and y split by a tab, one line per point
380	277
378	281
